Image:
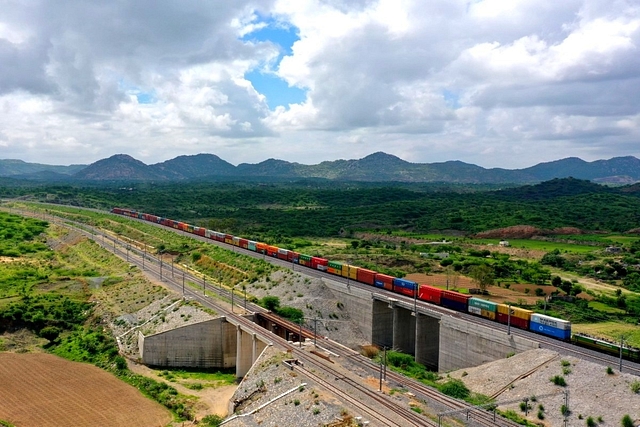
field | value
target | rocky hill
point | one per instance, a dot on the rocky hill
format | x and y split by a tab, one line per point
376	167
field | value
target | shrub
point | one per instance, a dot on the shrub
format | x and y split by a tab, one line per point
609	370
541	415
626	421
635	386
455	388
591	422
559	380
211	421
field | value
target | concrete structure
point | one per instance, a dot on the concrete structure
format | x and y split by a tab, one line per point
215	343
439	341
464	344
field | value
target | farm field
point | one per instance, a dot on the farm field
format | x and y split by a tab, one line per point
45	390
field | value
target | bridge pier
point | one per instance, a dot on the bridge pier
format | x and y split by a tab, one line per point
381	324
249	348
404	331
427	342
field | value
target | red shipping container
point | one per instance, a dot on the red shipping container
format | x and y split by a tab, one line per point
319	263
244	243
515	321
386	280
292	256
405	291
283	254
366	276
456	296
199	231
430	294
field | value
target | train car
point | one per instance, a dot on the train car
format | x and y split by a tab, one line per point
251	245
628	353
483	308
384	281
519	317
283	254
405	287
350	271
293	256
200	231
219	237
305	260
244	243
228	239
261	247
235	241
318	263
272	251
334	267
455	300
430	294
366	276
550	326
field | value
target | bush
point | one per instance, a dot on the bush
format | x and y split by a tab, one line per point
211	421
635	386
626	421
558	380
455	388
591	422
609	370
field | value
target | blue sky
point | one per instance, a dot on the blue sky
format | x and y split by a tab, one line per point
275	89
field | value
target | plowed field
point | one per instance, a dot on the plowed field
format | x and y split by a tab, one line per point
45	390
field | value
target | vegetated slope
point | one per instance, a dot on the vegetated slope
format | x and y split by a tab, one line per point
197	166
268	212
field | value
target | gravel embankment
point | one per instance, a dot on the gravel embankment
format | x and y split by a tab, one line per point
592	391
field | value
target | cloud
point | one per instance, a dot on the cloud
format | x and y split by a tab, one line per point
480	81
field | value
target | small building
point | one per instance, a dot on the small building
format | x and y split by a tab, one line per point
504	243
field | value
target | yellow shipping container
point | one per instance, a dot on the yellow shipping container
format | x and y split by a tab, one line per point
518	312
350	271
488	314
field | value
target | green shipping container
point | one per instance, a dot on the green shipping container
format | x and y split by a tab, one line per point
483	304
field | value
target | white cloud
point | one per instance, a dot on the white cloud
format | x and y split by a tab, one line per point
479	81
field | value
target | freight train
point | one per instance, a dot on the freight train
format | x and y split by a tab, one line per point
502	313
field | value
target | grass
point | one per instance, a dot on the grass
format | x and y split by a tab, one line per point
597	305
211	377
611	331
541	245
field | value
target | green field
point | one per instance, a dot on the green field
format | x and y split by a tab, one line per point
542	245
611	331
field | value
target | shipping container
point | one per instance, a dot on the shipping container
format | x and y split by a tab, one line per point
283	254
334	268
244	243
518	322
183	226
545	329
384	281
261	247
550	321
482	312
235	241
366	276
293	257
350	271
430	294
208	234
455	300
251	245
228	238
304	260
272	250
199	231
319	263
404	286
189	228
483	304
518	312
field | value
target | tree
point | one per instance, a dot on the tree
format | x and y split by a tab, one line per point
271	303
482	276
453	277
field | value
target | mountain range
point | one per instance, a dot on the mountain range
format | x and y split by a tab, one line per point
376	167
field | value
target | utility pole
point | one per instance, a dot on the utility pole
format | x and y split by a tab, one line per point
300	333
509	321
183	283
621	343
315	332
144	255
385	361
380	389
204	285
160	257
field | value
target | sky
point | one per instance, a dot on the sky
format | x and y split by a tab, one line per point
497	83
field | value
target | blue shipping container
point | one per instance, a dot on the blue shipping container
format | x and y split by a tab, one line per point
404	283
563	334
378	283
455	305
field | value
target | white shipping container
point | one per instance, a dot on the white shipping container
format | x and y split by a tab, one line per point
550	321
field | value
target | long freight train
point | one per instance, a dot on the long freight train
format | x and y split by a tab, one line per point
502	313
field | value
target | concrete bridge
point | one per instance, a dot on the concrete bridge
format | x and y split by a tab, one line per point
217	343
440	339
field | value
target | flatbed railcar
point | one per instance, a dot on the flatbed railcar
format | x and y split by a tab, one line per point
515	316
